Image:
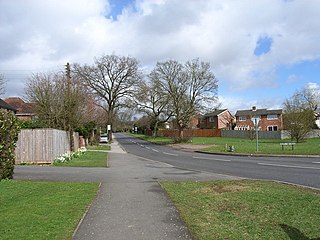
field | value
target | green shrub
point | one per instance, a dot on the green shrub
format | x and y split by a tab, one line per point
9	130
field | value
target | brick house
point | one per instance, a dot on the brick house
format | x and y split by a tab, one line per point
4	105
25	110
218	119
270	120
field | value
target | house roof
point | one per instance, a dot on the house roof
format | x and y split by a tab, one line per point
21	106
215	113
5	105
257	112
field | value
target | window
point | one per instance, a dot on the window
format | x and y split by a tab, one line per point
211	119
272	128
242	118
272	116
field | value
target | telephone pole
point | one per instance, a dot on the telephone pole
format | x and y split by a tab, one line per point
67	107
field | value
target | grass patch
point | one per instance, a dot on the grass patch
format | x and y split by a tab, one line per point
266	146
42	210
88	159
157	140
309	146
247	209
99	147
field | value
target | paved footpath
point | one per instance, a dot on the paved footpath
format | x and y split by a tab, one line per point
130	203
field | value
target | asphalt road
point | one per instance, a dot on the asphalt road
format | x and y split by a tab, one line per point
297	170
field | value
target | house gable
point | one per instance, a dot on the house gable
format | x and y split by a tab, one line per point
219	119
4	105
24	111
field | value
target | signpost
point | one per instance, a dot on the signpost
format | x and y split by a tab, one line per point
255	121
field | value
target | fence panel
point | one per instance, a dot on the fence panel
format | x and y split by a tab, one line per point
190	132
248	134
42	145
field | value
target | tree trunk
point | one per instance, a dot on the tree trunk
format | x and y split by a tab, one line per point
180	134
155	130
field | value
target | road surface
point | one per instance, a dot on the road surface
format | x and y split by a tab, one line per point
297	170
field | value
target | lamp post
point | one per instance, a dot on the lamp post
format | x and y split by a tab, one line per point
255	121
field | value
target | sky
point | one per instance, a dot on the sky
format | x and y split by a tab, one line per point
261	51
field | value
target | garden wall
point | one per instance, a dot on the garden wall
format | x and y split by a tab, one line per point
42	145
246	134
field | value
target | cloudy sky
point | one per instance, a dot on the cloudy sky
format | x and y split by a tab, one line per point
261	51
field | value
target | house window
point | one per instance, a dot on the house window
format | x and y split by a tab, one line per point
211	119
242	118
272	117
272	128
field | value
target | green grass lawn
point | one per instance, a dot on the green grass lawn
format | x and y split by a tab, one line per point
157	140
42	210
99	147
266	146
247	210
88	159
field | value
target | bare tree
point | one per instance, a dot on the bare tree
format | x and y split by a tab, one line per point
2	84
58	101
191	88
112	78
299	116
124	119
151	99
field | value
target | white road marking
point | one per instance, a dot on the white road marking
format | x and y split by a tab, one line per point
287	166
214	159
155	150
316	162
171	154
148	148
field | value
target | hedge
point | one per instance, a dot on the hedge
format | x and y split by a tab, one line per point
9	130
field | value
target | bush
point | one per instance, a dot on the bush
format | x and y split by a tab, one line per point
9	130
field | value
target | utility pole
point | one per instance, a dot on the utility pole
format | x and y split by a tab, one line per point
67	108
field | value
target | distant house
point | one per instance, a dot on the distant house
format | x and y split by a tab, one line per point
218	119
4	105
24	111
270	120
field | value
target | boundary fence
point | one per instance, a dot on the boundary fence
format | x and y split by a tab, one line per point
43	145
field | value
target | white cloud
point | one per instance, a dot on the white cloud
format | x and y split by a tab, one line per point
42	34
313	86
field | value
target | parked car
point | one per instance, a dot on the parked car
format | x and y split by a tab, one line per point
104	138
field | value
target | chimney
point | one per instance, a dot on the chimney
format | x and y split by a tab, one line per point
254	108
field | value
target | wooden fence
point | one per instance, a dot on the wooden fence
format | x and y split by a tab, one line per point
42	145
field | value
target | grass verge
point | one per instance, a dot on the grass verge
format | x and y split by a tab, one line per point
99	147
42	210
247	209
266	146
157	140
246	146
88	159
